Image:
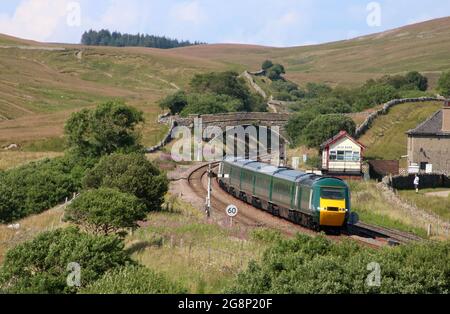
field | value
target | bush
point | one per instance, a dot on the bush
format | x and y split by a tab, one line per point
175	102
39	186
316	265
325	127
371	95
104	130
417	80
275	72
105	211
134	280
40	265
266	65
224	83
315	90
444	84
211	104
296	124
131	173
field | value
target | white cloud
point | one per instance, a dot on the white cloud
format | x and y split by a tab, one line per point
190	11
35	19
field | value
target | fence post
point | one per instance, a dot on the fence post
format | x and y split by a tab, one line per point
429	230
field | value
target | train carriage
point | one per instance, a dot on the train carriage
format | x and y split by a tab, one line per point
307	199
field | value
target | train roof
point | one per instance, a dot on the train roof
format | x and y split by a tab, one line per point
290	175
278	172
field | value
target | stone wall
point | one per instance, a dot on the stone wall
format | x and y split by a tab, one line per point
427	181
167	138
369	120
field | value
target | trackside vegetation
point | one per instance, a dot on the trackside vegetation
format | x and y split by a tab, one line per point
134	279
316	265
40	265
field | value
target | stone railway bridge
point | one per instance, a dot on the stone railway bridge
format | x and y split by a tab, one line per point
224	120
257	119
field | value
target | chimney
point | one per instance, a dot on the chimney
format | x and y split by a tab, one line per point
446	117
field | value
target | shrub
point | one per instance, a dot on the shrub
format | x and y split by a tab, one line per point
417	80
275	72
316	265
266	65
325	127
315	90
106	129
175	102
134	280
297	123
40	265
131	173
105	211
211	103
224	83
41	185
444	84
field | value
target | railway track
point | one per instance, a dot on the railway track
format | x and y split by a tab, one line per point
250	217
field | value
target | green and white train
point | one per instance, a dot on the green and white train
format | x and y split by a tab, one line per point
310	200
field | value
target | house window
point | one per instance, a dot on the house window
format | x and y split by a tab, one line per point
348	155
356	156
333	155
340	155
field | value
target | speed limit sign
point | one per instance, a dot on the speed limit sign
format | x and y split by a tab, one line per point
231	210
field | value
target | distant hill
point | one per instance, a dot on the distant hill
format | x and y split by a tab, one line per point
42	83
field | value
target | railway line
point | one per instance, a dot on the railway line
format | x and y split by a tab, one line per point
250	217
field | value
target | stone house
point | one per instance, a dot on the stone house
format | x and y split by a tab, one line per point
429	143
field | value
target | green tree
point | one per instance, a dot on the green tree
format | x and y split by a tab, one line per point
224	83
131	173
105	211
209	103
315	90
41	265
106	129
275	72
444	84
297	123
175	102
266	65
134	280
326	126
417	80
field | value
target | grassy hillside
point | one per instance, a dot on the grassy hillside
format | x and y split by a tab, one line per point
386	139
421	47
41	84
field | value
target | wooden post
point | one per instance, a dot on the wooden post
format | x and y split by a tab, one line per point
429	230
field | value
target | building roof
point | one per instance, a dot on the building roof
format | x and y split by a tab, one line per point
432	126
338	137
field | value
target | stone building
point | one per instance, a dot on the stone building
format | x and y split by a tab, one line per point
429	143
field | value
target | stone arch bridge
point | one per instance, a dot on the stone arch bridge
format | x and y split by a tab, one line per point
244	119
223	120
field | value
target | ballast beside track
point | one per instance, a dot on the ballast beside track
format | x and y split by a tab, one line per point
370	235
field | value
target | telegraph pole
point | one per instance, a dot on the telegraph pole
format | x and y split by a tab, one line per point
208	195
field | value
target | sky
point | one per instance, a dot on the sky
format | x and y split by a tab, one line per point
279	23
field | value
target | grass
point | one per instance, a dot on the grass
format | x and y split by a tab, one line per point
386	139
12	159
202	256
372	208
435	204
